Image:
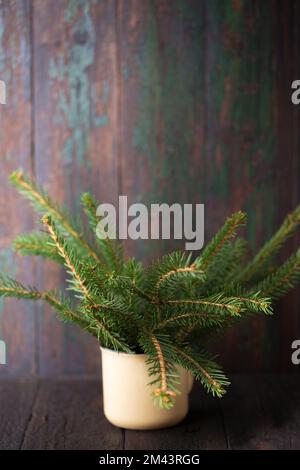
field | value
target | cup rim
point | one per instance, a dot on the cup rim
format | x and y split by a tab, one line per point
122	353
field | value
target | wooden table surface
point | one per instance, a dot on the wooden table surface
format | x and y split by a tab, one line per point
259	412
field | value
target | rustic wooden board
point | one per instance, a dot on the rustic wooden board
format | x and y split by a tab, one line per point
67	414
161	62
201	82
201	430
262	412
76	139
243	414
17	399
287	24
281	418
17	319
259	412
181	101
241	140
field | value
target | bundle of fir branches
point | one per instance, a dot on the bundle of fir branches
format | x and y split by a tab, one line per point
163	310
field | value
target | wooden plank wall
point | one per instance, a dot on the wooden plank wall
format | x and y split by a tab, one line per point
163	101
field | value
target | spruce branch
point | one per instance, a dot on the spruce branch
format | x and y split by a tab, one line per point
204	369
111	250
191	319
67	256
102	327
166	276
215	303
36	244
224	265
105	336
228	230
65	312
272	246
43	204
159	351
171	277
255	303
235	305
282	279
162	310
12	288
162	365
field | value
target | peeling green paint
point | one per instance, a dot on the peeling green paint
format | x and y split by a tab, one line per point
170	81
225	68
77	103
170	87
101	120
243	63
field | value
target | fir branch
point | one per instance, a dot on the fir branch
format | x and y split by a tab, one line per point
159	351
204	369
36	244
187	269
106	337
12	288
215	303
173	273
43	204
162	366
234	304
224	265
283	279
272	246
130	309
111	251
65	312
225	233
191	319
66	254
239	252
254	303
178	273
164	268
140	292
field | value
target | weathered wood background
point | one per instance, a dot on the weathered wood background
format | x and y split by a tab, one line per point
164	101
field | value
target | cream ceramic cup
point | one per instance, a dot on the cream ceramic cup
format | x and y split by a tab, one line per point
127	397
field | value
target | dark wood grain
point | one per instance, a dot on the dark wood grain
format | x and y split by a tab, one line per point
262	412
162	117
76	141
16	399
259	412
287	30
67	414
17	319
185	101
202	429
